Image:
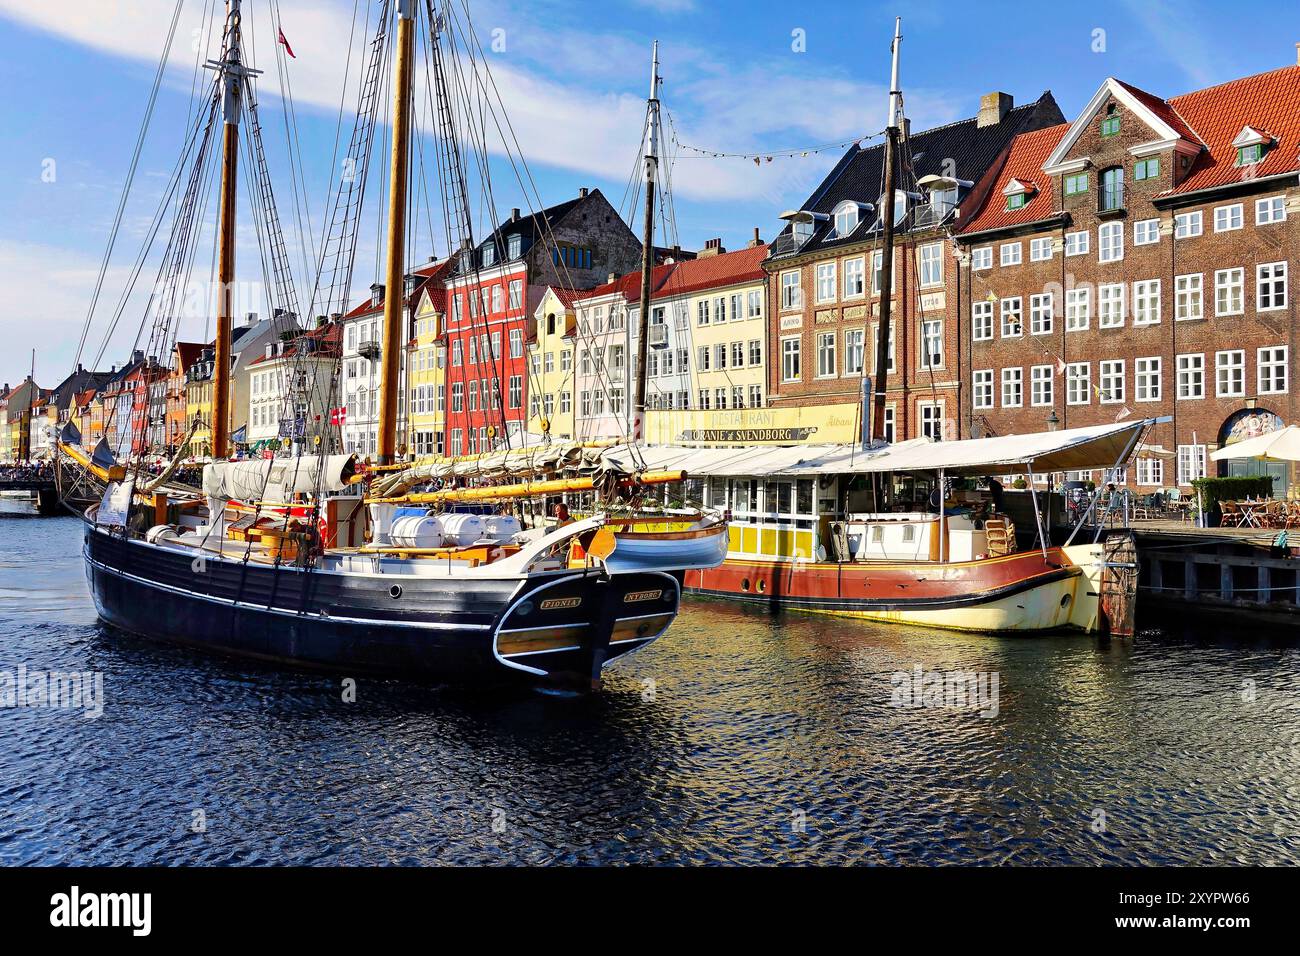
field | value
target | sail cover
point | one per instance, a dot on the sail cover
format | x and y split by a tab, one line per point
274	479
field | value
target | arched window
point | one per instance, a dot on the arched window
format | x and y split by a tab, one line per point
846	218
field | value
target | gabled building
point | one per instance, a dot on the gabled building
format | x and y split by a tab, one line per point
551	380
824	272
291	393
1136	261
176	424
493	295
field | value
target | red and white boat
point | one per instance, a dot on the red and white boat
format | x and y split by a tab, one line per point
836	529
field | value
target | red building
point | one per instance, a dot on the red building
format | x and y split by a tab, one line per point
491	295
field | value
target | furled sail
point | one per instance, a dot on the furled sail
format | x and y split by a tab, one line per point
274	479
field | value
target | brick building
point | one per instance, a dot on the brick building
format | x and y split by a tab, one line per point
492	295
824	302
1136	262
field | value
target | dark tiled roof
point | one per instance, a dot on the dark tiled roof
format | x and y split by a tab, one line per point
962	149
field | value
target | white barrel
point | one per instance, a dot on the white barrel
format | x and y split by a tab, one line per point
502	528
161	532
462	529
416	531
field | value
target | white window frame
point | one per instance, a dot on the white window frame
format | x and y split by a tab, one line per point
1230	281
1189	297
1146	302
1012	305
1272	375
981	257
1107	371
826	349
795	354
1078	308
981	317
1042	317
791	291
1078	383
824	285
1078	243
1229	218
1111	295
931	265
1042	392
1230	373
1188	225
1110	242
1146	232
1040	249
1148	378
1009	254
1269	210
1013	378
1270	286
982	388
1190	383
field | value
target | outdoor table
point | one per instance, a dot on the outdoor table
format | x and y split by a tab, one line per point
1249	512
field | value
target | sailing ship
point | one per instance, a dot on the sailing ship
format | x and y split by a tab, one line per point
313	561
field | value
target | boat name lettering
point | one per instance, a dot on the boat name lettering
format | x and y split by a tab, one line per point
634	597
555	604
748	434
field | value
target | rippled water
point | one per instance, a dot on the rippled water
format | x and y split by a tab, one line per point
738	738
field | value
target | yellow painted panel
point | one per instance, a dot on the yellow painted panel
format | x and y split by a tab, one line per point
803	544
785	542
733	538
769	541
750	538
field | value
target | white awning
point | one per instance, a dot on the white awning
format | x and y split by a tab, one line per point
1075	449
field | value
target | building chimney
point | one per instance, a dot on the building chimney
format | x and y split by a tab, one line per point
994	108
582	192
757	240
712	247
1297	54
612	277
514	214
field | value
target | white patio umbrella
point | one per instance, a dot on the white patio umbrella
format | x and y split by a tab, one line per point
1281	445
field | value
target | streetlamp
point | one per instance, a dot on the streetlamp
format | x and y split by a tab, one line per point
1053	423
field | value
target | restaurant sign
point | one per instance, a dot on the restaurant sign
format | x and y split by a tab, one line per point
821	424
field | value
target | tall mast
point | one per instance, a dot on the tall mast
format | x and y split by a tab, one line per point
233	73
395	275
887	239
647	247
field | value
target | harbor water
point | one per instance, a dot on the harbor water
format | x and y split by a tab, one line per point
742	737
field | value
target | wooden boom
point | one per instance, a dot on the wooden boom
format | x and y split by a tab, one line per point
527	489
116	473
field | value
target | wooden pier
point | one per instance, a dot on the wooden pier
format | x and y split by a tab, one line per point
43	493
1190	570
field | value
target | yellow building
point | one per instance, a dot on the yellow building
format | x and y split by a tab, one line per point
426	371
198	403
551	365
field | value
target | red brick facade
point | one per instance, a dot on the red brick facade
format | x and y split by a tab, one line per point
1206	335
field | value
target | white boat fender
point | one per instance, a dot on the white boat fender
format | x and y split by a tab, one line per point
161	532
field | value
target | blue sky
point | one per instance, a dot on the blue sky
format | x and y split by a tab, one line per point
573	75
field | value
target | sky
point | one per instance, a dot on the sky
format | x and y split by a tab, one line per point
751	77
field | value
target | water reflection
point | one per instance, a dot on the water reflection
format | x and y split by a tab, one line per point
741	737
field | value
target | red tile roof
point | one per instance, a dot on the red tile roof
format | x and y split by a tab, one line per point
715	272
1163	111
1267	101
1024	162
328	337
629	285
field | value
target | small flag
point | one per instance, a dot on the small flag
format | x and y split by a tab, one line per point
288	49
1124	413
1060	366
339	416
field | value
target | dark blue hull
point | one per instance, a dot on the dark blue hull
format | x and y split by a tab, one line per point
559	628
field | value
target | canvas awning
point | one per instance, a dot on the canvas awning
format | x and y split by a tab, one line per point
1281	445
1075	449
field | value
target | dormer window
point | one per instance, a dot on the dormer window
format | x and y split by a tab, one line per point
1018	193
900	208
516	246
1251	145
489	255
847	215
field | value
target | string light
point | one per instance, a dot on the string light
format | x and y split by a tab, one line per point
759	158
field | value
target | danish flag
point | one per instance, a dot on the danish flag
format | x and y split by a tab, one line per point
288	49
339	416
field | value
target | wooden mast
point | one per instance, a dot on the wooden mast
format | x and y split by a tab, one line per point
232	72
395	275
647	249
887	242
